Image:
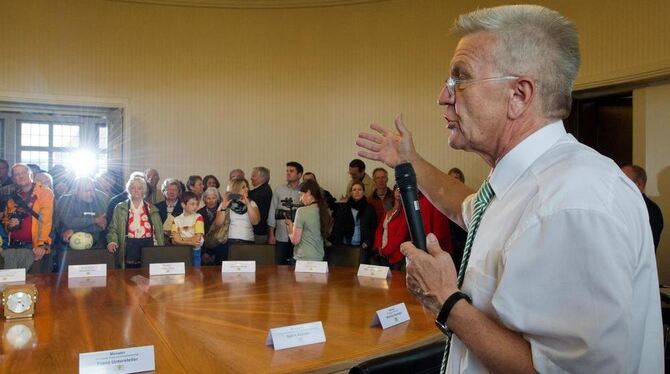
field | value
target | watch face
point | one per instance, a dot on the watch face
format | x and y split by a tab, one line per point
19	302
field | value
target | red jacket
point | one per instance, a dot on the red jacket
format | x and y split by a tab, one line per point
398	233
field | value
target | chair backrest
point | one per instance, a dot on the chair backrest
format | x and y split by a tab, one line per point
424	359
343	255
86	257
263	254
168	253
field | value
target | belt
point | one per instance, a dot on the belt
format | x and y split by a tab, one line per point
20	244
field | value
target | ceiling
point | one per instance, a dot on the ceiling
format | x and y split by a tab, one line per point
252	4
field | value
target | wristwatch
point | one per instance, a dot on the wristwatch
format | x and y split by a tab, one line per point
441	321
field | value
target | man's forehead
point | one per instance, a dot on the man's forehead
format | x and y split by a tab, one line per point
23	168
473	51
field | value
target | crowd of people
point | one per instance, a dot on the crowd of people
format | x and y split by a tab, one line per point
59	212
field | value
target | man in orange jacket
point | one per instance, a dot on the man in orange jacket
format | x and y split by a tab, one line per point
27	219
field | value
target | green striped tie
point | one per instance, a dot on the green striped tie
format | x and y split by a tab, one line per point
482	200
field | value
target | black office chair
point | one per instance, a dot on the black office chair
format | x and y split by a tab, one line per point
168	253
422	360
85	257
263	254
343	255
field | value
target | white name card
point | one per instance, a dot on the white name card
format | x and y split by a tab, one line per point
167	268
296	335
391	316
87	282
238	277
374	271
238	267
311	266
12	275
95	270
127	360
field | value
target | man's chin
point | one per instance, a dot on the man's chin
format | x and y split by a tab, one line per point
456	141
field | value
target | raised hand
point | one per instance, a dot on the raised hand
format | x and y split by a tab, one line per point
386	146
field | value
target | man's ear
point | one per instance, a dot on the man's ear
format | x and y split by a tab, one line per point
522	97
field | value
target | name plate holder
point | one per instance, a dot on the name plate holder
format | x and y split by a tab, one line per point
167	268
311	267
374	271
126	360
238	267
296	335
82	271
13	275
391	316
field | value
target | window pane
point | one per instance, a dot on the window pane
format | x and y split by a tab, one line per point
61	158
40	158
102	162
34	134
102	137
66	136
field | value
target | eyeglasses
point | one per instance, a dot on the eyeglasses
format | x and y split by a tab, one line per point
452	82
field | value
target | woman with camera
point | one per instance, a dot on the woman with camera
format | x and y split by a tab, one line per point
356	222
312	224
244	212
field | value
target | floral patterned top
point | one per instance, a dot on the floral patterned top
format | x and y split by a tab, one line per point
139	226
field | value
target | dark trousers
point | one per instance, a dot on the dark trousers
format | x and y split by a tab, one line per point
220	253
134	251
365	256
283	253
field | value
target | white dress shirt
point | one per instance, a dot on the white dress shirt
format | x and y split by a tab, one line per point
564	255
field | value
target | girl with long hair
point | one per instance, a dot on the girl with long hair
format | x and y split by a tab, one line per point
312	224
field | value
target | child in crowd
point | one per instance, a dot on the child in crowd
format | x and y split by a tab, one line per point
189	227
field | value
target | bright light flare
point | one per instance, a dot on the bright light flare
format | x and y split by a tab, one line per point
83	163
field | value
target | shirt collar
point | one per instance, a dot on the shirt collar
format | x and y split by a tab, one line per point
519	159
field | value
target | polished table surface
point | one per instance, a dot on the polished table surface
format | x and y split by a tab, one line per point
209	322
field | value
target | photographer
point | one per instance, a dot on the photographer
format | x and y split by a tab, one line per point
312	224
277	232
356	222
244	213
27	219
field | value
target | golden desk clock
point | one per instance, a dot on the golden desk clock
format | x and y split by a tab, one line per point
19	301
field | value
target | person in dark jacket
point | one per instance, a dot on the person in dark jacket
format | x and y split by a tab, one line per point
262	196
639	176
356	222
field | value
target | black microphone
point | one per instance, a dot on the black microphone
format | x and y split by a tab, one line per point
406	180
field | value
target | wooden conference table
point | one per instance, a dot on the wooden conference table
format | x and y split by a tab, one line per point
209	322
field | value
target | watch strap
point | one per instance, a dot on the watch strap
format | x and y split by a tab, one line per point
448	305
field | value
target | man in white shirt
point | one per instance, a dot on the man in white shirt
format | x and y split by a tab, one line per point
561	272
277	233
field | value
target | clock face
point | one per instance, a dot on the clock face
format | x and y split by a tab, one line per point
19	335
19	302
